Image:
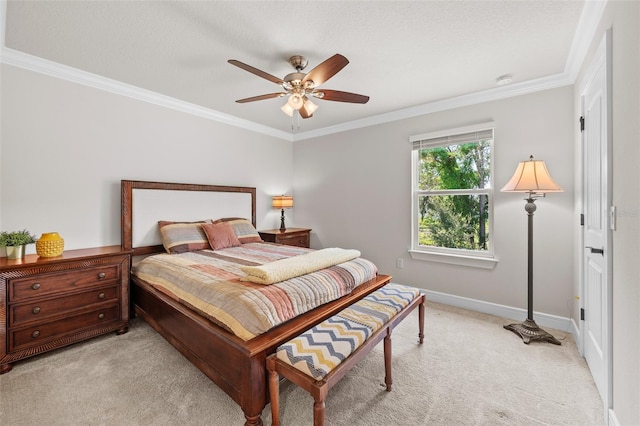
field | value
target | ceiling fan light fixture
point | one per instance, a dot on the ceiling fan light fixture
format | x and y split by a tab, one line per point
287	109
295	101
310	106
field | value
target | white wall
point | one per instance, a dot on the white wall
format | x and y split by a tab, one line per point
64	148
354	190
624	19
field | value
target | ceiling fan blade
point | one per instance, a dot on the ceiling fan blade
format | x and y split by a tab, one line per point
339	96
326	70
256	71
261	97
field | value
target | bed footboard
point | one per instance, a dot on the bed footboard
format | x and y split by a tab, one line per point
236	366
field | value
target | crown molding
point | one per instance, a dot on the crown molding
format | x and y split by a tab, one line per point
498	93
585	31
63	72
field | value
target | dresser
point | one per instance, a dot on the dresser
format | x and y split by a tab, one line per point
47	303
291	236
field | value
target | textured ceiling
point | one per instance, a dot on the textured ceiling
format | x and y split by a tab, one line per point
402	54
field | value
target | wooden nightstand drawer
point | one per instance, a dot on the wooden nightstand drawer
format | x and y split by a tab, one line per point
292	236
40	333
43	309
294	240
45	284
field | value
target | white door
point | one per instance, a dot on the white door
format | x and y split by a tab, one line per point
596	231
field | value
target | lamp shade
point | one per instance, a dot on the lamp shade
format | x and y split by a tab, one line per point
309	106
295	101
282	202
287	109
532	176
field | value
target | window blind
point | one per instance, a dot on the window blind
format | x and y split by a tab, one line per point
455	139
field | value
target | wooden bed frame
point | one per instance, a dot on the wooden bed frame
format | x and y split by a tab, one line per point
238	367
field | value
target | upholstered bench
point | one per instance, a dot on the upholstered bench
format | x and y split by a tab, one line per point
318	358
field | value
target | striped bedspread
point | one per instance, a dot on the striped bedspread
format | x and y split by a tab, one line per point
209	282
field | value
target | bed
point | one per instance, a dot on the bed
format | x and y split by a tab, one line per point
235	364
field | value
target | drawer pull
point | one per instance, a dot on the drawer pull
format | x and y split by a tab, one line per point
101	296
101	316
36	310
35	333
101	275
35	286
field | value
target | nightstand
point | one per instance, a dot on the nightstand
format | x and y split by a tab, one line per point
291	236
48	303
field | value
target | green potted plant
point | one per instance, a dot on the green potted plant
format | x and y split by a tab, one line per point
15	242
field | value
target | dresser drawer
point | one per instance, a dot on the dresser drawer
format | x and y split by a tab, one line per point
42	309
45	284
38	334
294	240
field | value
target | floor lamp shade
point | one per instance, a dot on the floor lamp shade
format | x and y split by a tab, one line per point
282	202
533	177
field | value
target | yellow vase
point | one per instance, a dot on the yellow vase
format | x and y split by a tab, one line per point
50	244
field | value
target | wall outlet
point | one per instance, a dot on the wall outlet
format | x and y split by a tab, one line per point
399	262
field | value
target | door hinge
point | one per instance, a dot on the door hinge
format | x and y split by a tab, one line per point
581	219
581	314
582	124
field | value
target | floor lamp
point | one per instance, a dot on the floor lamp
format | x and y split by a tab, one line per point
531	177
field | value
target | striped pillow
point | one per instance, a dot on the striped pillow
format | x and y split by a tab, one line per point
244	229
181	237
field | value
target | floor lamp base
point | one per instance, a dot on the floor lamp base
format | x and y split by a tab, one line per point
529	331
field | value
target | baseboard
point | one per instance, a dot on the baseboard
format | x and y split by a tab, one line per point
516	314
612	420
575	330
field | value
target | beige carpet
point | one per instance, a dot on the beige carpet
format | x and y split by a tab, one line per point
470	371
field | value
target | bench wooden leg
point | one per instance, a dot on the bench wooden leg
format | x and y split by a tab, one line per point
387	360
318	412
274	391
421	321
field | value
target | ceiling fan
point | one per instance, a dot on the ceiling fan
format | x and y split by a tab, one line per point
300	86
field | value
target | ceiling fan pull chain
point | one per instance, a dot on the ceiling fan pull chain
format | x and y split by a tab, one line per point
295	121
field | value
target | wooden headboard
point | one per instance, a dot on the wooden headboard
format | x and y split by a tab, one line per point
143	204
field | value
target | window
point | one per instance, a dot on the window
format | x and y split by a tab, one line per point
452	187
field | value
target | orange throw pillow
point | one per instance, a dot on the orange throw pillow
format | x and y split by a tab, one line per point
220	235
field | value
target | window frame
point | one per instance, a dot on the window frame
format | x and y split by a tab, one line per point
474	258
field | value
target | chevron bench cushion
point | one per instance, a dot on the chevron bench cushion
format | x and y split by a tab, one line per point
319	350
318	358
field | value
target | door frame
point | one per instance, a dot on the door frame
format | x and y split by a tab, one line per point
602	57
